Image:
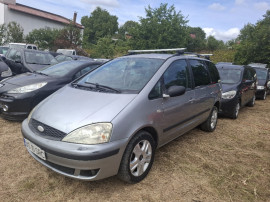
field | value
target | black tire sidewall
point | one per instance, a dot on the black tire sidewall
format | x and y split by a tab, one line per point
124	170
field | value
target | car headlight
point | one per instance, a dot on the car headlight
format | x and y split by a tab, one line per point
6	73
29	88
91	134
260	87
229	94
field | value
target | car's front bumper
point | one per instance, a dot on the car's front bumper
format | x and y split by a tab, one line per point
19	106
228	105
84	162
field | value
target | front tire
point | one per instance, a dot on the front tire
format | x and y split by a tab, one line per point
210	124
264	95
235	112
138	158
252	102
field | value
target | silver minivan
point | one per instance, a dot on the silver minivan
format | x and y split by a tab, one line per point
112	120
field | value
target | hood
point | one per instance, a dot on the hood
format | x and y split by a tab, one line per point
229	87
26	79
3	67
261	82
70	108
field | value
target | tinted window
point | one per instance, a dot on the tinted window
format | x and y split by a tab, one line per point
248	74
85	70
261	74
177	75
200	73
213	72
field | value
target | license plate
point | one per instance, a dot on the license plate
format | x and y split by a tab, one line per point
35	149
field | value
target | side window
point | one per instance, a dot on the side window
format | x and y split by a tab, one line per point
248	75
87	69
200	73
11	54
77	75
177	75
213	72
18	56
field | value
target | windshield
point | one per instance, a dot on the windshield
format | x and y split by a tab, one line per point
35	57
3	50
261	74
60	69
230	76
123	74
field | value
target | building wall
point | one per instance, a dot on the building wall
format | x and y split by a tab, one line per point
27	21
2	14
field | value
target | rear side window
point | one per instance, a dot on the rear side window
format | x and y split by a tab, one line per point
249	74
213	72
200	73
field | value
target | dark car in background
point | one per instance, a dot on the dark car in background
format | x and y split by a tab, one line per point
263	82
4	70
21	93
61	58
238	86
26	60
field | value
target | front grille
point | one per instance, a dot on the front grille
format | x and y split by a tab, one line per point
49	132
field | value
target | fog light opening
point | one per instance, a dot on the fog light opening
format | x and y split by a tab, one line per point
5	108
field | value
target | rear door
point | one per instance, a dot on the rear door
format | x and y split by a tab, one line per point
204	90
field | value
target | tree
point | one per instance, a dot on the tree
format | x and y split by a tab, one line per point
214	44
14	33
127	28
196	41
162	27
3	34
69	37
44	38
254	42
98	25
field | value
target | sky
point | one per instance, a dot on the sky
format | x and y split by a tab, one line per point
222	19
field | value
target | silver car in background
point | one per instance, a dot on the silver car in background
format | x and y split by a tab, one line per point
111	121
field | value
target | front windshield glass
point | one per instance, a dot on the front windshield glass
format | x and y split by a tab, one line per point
60	69
124	74
261	74
35	57
230	76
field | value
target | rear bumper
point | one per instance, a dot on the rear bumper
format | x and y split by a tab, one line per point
83	162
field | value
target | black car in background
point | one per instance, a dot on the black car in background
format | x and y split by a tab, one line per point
25	60
238	86
21	93
4	70
263	86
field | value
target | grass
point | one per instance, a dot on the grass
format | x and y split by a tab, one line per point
230	164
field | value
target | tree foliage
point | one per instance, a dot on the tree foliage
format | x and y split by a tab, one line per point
213	44
12	32
196	39
254	42
44	38
98	25
162	27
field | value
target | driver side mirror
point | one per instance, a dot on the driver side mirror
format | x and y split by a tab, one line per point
174	91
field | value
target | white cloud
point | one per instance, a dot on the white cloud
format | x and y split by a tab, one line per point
263	6
216	7
222	35
106	3
239	2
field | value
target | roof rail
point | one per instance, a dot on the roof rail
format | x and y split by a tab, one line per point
206	56
178	50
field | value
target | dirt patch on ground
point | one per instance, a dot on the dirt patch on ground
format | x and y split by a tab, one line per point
230	164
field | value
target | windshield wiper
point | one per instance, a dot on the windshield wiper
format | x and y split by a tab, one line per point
102	86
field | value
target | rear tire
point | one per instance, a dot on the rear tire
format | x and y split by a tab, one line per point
138	158
210	124
252	102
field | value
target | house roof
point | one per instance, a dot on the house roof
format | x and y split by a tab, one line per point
42	14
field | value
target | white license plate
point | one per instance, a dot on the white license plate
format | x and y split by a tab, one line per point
35	149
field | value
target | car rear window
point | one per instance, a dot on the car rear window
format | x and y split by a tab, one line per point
230	76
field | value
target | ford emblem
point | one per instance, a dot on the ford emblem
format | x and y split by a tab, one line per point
41	129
